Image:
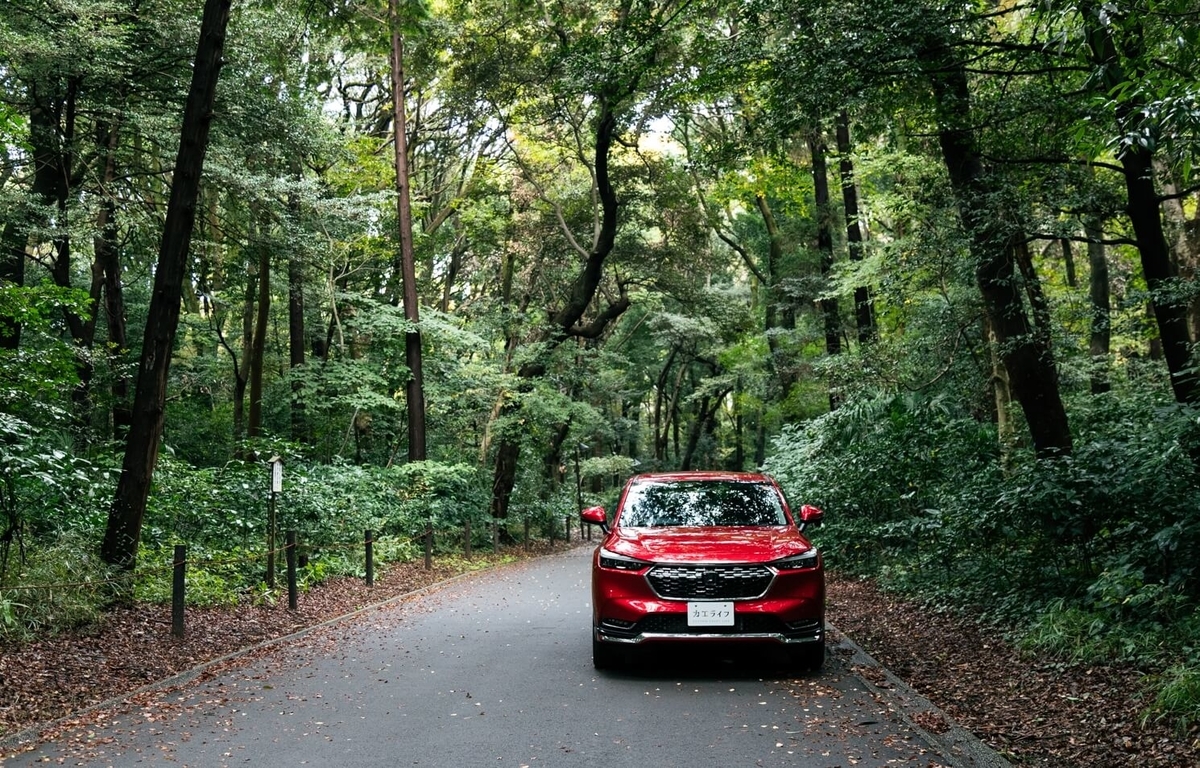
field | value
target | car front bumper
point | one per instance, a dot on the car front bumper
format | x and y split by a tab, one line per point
792	633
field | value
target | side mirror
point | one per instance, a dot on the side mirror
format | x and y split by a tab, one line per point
810	515
595	516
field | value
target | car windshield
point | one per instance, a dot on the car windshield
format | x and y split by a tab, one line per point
701	503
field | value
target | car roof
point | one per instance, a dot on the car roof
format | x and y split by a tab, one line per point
716	475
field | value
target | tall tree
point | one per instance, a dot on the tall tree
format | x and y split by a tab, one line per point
1116	41
123	532
995	246
864	308
406	259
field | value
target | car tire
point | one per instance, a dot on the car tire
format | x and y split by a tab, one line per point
809	657
605	656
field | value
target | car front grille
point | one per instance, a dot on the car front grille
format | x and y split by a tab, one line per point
710	582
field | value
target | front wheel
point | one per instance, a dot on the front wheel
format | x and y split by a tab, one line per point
604	656
809	657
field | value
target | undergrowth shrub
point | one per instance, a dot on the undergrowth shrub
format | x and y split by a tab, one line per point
1084	551
1178	699
1087	557
61	586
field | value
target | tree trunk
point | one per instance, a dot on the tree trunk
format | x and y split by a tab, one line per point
52	117
296	346
552	460
706	414
1137	164
1033	376
697	429
660	398
864	305
258	346
829	305
1001	398
14	242
415	390
1069	262
1098	292
242	368
108	264
1185	247
779	362
1170	313
124	528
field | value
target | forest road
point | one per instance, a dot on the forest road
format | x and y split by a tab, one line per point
495	670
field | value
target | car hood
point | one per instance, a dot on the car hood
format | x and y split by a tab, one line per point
682	544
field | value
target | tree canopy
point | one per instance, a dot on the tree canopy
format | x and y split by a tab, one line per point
932	264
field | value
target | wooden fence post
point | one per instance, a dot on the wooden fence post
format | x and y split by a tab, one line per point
177	590
369	543
467	538
526	534
291	570
429	548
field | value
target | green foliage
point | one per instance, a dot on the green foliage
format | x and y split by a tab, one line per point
61	586
1106	539
440	495
46	491
206	582
1178	698
36	374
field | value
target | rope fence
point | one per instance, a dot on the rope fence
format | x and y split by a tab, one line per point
290	553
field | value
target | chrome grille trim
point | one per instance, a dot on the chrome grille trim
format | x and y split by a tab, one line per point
710	582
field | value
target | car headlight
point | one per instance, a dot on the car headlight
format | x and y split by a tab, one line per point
808	559
609	559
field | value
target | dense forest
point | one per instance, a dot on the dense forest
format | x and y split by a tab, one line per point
933	265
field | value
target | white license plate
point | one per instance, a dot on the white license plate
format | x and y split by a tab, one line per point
710	614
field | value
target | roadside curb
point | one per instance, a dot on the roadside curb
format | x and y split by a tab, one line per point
956	743
15	743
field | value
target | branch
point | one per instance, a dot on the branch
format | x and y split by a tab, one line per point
1179	195
1080	239
558	212
1060	160
593	329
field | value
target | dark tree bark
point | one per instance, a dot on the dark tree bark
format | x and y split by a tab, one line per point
660	399
452	270
829	306
704	423
258	346
864	305
552	459
1038	304
772	321
1142	205
1068	255
296	343
1099	293
108	265
14	242
1184	238
1027	358
52	121
415	389
124	528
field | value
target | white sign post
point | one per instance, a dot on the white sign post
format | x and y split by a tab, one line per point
276	464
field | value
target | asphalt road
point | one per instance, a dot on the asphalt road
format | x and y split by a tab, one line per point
495	670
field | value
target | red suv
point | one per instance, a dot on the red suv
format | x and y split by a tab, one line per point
703	557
